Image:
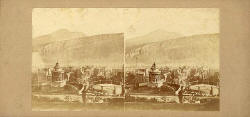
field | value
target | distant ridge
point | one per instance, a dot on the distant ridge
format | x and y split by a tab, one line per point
196	49
59	35
97	49
155	36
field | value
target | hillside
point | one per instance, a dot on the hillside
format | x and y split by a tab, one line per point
197	49
59	35
155	36
98	49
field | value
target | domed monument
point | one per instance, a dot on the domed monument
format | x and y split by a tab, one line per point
154	76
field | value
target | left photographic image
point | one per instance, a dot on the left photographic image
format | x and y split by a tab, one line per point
77	60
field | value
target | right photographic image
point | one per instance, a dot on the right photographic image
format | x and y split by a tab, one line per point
172	59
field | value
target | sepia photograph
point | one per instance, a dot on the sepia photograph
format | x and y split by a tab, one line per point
125	59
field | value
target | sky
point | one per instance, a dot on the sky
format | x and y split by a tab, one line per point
132	22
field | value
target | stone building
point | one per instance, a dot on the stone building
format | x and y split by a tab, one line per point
154	74
58	76
155	79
